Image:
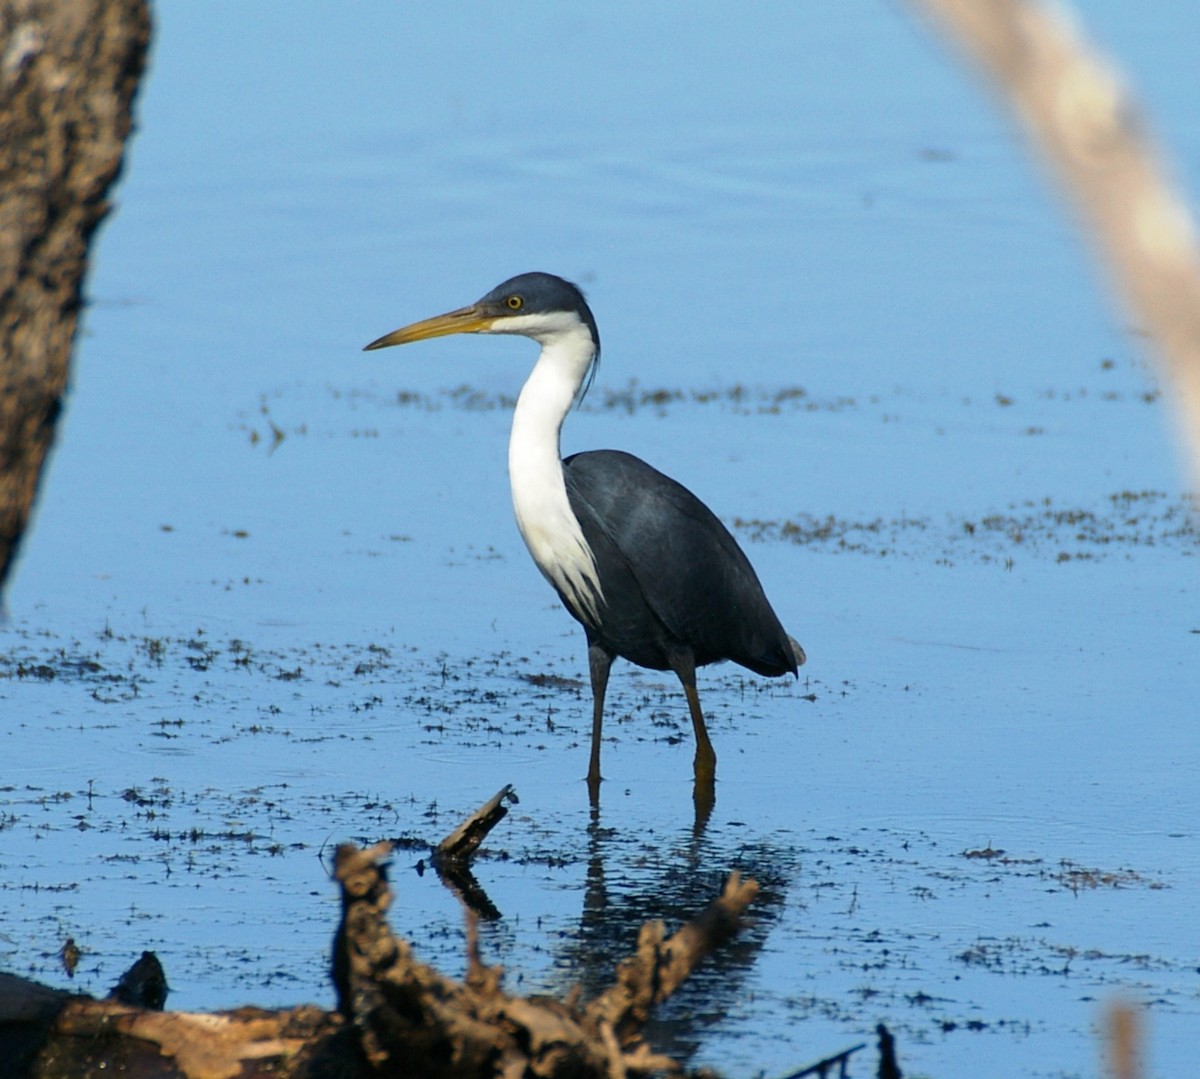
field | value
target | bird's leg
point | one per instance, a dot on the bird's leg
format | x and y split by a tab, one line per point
705	764
599	662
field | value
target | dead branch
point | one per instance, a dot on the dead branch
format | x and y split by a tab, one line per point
396	1016
408	1012
1083	121
451	858
1123	1041
461	844
57	1035
824	1068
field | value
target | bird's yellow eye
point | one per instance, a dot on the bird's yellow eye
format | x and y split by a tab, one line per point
515	303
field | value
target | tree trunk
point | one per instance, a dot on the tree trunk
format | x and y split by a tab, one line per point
68	74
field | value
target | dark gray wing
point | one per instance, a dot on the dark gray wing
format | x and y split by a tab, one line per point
647	530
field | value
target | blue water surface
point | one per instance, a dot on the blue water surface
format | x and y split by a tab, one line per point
831	288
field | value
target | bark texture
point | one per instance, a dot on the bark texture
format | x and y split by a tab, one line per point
396	1017
68	75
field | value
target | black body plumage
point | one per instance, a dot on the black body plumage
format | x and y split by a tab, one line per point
672	575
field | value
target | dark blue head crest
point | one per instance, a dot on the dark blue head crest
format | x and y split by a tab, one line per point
544	294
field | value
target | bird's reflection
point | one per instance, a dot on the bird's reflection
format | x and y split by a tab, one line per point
631	879
704	800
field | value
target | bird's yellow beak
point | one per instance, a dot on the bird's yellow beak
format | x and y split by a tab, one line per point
472	319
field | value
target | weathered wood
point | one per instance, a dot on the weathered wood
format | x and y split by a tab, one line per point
451	858
660	966
396	1016
51	1034
461	844
68	75
408	1012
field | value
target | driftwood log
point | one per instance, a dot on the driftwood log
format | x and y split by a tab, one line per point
409	1016
68	74
395	1017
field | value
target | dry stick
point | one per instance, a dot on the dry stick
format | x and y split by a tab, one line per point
1081	117
823	1069
461	844
451	857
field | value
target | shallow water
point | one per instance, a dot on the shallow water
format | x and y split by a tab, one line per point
274	598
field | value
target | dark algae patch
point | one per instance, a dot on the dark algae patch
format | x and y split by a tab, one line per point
1113	527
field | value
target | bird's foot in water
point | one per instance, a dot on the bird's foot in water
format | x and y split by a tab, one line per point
704	766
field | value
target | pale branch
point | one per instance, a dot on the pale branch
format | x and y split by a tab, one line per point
1082	119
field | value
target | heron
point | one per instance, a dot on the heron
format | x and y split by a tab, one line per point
642	564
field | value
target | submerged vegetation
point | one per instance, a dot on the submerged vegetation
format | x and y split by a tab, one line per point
1039	528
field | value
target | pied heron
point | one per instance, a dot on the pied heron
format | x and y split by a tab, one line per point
640	561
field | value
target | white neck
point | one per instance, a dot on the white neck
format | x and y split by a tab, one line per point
544	516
